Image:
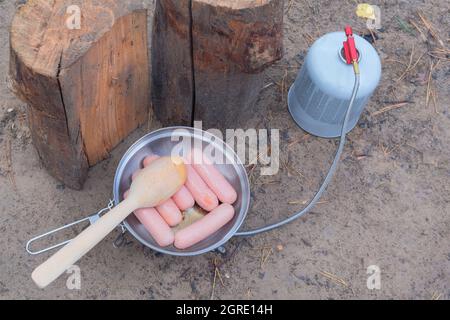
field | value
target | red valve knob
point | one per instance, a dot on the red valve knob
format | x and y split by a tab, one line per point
348	31
350	51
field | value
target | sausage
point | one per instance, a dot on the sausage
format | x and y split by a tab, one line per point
183	198
148	160
155	225
217	182
170	213
202	194
205	227
214	179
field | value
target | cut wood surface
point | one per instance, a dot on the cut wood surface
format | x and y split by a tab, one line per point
211	65
86	88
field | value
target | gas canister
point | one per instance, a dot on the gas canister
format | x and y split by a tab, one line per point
319	98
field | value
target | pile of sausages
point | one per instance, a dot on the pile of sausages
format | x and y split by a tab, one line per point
206	187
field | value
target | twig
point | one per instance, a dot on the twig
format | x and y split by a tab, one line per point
291	171
266	252
301	175
305	137
308	38
430	29
265	183
217	274
359	156
411	55
410	67
9	166
396	61
436	296
389	108
249	293
441	54
373	36
386	150
334	278
429	94
214	284
424	37
433	95
267	86
289	6
259	155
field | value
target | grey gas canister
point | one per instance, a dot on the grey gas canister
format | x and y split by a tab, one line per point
320	96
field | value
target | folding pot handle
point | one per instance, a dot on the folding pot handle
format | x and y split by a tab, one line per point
91	219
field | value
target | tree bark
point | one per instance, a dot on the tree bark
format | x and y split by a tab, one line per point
211	64
86	89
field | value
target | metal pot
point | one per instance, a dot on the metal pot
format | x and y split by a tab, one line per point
161	142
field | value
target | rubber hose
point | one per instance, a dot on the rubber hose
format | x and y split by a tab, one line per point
328	178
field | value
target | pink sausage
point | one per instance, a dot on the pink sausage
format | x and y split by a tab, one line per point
170	213
213	178
205	227
155	225
148	160
183	198
202	194
217	182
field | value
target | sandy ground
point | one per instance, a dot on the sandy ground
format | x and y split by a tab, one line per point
388	205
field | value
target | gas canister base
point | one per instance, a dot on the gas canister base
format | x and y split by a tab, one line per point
314	127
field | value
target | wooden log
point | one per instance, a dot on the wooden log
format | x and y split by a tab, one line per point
87	88
215	54
172	78
233	42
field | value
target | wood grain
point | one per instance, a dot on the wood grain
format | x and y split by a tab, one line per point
211	66
233	43
172	78
86	89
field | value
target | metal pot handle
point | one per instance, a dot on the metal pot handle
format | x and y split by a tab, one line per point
91	219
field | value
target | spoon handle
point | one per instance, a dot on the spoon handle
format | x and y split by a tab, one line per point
56	265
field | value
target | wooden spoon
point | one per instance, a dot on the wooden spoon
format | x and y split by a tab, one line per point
154	185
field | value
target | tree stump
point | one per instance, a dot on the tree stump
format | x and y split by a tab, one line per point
87	86
208	58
